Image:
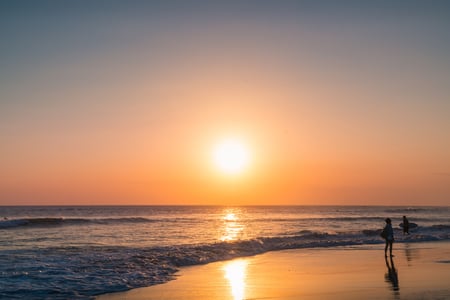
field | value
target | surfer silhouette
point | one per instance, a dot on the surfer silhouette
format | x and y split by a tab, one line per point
388	235
405	225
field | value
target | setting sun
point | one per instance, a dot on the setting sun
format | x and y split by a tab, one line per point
231	156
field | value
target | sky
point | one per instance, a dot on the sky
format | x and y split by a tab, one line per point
122	102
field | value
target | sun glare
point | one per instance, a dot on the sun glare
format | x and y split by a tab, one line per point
231	156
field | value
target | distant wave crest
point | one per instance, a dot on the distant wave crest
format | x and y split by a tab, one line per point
41	222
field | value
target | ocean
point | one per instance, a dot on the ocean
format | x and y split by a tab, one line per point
77	252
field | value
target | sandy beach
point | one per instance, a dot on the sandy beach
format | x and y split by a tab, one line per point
417	271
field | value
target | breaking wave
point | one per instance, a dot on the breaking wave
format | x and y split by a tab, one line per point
43	222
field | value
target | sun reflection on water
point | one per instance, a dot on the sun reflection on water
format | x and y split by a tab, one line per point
232	228
235	273
230	217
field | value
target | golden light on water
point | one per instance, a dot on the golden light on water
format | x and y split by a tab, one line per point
232	227
235	273
230	217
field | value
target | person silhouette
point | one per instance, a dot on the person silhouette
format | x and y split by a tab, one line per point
405	225
388	236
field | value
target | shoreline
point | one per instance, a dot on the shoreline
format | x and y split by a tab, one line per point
420	271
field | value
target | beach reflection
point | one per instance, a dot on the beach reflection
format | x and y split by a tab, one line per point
392	276
232	227
411	253
235	273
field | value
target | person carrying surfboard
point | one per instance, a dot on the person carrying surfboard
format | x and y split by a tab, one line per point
405	225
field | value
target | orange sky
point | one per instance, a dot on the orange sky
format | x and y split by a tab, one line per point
337	106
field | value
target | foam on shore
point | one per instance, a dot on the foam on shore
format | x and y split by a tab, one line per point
418	271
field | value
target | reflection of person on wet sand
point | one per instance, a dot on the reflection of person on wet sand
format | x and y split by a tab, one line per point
391	276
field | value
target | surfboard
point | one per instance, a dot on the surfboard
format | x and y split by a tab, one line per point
411	225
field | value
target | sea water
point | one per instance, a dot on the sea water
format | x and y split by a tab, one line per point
70	252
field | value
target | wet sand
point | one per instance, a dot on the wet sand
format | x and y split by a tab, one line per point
417	271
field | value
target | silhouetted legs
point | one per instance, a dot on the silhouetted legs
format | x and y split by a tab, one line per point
388	244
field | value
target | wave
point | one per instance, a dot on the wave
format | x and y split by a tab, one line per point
409	210
441	227
48	222
43	222
328	219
